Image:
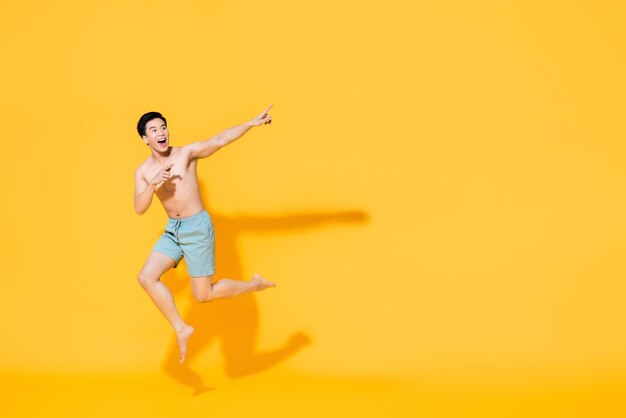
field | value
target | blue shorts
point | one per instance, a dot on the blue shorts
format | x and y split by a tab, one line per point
193	238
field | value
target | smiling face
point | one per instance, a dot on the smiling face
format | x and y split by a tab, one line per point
157	137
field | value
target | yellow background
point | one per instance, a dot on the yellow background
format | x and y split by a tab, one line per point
440	198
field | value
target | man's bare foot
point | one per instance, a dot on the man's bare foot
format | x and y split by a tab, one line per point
182	336
260	283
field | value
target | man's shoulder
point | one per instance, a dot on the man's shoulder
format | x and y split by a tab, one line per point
181	152
140	170
143	165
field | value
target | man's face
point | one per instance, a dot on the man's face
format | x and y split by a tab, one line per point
157	136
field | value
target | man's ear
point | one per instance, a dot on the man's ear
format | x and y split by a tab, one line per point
145	139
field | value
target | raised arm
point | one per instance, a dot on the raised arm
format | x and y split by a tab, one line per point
203	149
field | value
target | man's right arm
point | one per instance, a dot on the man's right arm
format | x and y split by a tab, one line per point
143	193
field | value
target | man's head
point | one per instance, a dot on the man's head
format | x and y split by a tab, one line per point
152	128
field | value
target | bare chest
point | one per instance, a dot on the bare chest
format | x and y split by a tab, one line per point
182	177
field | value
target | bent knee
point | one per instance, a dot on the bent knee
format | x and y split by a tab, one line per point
202	288
203	298
146	279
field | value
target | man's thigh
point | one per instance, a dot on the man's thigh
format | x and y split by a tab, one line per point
198	247
156	265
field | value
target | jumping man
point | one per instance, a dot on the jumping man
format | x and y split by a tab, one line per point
170	173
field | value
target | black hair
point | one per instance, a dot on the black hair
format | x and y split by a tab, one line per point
147	117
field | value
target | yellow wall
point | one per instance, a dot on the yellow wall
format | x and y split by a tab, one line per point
441	192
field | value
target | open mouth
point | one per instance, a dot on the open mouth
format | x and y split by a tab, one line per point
162	141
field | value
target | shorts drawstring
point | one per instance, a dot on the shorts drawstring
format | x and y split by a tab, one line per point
177	225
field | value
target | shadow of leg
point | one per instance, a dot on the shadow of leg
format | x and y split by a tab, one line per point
241	361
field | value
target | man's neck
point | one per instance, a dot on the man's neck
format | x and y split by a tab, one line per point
159	157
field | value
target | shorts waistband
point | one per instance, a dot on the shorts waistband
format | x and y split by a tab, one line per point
189	218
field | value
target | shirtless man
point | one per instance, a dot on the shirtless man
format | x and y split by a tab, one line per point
170	173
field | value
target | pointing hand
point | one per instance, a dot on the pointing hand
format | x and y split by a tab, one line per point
263	118
163	174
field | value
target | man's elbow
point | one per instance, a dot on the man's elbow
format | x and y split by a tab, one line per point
140	211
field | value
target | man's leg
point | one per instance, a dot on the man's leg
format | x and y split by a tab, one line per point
204	291
199	251
153	269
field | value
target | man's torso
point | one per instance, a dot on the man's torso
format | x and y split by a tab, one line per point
180	194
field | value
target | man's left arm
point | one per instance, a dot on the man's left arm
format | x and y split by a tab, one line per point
203	149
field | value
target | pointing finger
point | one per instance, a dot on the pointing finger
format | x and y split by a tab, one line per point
268	109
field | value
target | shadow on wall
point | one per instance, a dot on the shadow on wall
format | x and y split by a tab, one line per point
235	321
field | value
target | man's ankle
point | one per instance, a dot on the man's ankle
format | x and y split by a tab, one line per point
180	328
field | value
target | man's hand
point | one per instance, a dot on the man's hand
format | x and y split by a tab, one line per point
263	118
162	175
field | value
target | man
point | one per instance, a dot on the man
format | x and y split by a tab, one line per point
170	173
